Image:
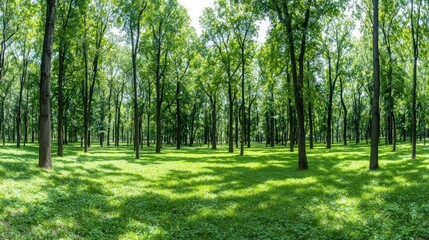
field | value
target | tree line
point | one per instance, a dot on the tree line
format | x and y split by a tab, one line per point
137	73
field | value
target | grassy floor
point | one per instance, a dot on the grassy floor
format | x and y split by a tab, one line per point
196	193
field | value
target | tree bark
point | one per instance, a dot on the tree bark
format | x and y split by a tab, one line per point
61	73
375	126
343	104
45	160
330	100
297	77
135	104
415	36
310	122
148	115
230	117
214	124
178	117
243	100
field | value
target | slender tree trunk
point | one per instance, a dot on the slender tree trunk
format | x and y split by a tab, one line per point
237	117
45	160
214	124
415	36
375	128
61	73
330	100
109	123
394	133
3	122
291	127
136	106
298	77
343	104
148	116
243	100
178	117
310	122
249	121
134	27
230	118
18	117
272	125
26	119
158	119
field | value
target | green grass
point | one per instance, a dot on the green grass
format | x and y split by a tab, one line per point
196	193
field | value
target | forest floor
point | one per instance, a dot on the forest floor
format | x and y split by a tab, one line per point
197	193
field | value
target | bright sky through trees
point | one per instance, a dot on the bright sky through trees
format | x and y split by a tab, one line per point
195	10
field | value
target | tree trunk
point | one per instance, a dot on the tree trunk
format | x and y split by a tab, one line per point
298	78
178	117
3	122
110	116
343	104
61	73
415	36
243	102
18	117
248	124
45	160
148	116
158	119
394	133
136	106
375	127
330	100
230	118
214	125
310	122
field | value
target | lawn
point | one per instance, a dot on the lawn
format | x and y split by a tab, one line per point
197	193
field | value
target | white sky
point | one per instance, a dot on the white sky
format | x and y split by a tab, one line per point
195	10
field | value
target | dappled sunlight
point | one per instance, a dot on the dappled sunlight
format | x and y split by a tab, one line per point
199	193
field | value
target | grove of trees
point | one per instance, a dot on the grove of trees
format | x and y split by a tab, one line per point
128	72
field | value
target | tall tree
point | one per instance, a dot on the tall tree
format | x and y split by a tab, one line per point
216	31
22	80
167	18
133	18
91	61
285	16
244	27
45	160
65	10
375	125
415	29
334	45
182	57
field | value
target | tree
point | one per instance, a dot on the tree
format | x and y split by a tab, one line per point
208	80
415	29
22	80
133	17
99	26
375	125
285	17
243	24
216	31
182	57
334	44
45	160
64	10
167	18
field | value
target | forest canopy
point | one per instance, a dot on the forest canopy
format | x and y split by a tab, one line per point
137	72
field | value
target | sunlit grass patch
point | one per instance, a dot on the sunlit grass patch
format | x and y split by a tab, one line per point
197	193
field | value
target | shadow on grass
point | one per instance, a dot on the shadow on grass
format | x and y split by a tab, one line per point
215	195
